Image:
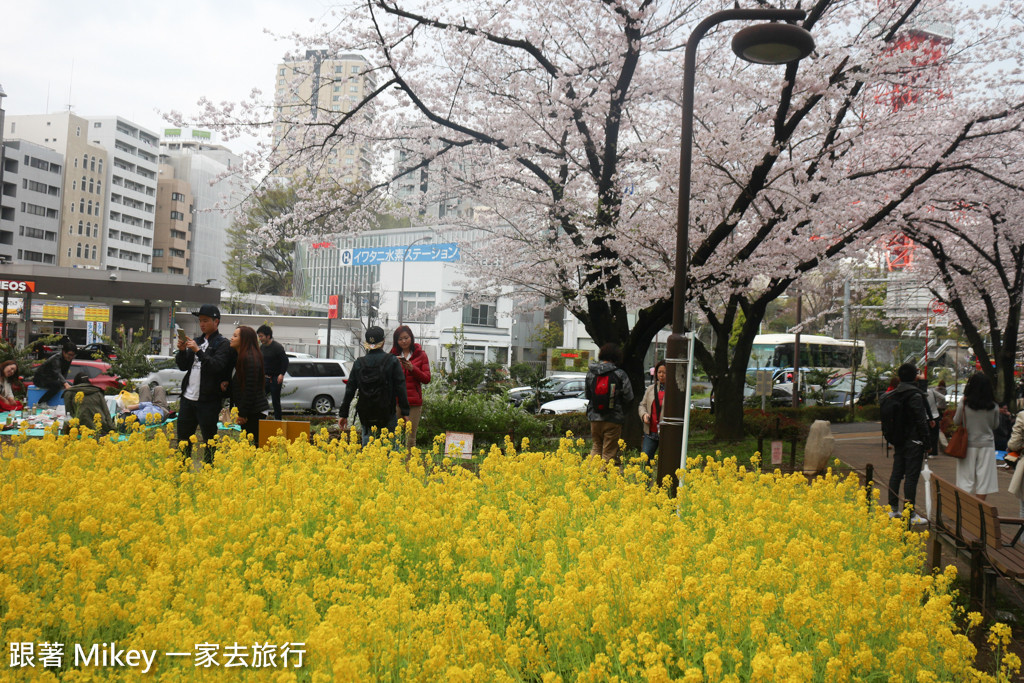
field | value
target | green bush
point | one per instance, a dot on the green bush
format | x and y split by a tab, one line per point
555	426
489	418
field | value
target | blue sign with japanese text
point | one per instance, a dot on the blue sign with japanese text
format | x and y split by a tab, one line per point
419	252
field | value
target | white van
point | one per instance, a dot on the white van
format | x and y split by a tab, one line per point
316	384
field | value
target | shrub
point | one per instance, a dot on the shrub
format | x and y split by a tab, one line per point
491	418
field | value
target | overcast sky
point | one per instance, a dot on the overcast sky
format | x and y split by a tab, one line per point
132	58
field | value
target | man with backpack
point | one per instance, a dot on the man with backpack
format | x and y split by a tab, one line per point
609	392
905	427
380	382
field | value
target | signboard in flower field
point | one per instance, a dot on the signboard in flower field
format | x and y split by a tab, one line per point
458	445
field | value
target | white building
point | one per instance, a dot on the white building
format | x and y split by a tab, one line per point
205	167
131	191
30	203
366	273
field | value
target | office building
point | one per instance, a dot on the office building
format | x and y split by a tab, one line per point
172	233
131	191
85	185
30	203
321	87
208	170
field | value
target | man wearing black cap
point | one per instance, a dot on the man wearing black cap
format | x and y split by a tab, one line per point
207	362
379	379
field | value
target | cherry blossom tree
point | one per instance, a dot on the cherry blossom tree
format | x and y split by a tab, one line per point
559	124
975	245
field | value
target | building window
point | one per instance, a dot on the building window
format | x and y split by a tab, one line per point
76	162
94	252
85	161
80	226
92	164
480	314
99	187
96	124
100	170
416	307
473	354
157	253
81	206
177	216
78	252
177	197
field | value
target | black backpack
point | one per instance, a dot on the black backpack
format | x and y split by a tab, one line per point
376	404
604	396
894	424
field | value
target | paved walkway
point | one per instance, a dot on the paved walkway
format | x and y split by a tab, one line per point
861	443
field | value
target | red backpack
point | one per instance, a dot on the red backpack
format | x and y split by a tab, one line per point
605	395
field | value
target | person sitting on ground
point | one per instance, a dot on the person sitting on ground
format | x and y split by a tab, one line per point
85	401
9	380
152	407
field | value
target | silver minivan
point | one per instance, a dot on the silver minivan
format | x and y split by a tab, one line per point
316	384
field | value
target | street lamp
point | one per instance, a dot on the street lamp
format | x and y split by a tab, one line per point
761	44
401	295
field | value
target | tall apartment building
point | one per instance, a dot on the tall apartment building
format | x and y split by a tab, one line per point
84	190
131	191
172	233
206	169
30	203
317	88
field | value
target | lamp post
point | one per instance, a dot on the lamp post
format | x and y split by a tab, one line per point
401	295
761	44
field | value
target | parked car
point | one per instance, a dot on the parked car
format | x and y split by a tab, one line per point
166	375
552	388
837	392
96	351
316	384
561	406
99	373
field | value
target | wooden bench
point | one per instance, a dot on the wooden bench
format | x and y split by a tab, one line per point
973	529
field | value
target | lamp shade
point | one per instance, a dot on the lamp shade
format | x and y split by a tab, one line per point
772	43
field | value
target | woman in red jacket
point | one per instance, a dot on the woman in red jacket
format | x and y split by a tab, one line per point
416	366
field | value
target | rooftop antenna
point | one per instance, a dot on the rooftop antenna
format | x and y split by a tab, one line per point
71	82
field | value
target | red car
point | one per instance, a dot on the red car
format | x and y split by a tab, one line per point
98	371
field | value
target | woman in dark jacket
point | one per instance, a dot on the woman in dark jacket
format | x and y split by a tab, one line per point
416	366
247	383
85	401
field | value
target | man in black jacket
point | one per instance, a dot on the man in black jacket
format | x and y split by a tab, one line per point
275	363
908	457
53	374
206	361
380	381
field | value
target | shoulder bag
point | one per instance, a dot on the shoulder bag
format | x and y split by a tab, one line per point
958	443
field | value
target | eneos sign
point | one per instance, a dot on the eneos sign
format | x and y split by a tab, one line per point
17	286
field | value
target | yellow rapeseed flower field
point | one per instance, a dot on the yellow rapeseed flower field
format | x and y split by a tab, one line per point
318	560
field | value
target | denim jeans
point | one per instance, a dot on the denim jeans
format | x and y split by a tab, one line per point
649	447
906	465
375	430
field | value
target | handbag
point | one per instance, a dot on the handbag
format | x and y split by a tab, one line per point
958	444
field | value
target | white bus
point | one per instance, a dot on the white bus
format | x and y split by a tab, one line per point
777	352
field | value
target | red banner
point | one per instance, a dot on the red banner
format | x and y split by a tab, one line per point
332	306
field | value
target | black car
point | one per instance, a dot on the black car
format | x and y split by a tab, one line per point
96	351
552	388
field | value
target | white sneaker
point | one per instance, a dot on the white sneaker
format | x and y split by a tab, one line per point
917	519
893	514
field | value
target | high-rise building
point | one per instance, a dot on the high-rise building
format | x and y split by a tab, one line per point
85	184
321	87
30	203
131	191
207	170
172	231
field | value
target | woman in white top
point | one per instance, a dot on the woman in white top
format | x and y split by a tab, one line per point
978	411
